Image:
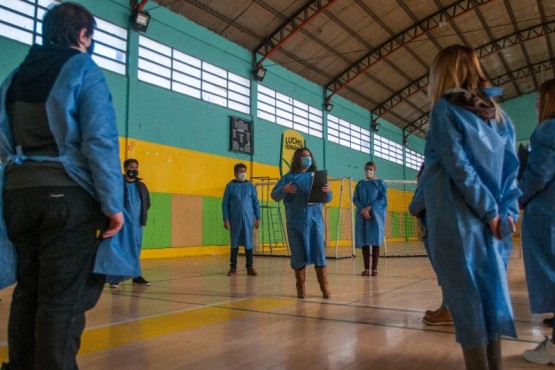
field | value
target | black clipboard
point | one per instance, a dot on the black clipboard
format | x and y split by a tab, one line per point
319	179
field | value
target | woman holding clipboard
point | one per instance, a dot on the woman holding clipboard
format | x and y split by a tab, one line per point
305	223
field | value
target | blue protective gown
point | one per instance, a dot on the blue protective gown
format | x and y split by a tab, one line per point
85	133
305	223
370	193
240	207
538	225
469	178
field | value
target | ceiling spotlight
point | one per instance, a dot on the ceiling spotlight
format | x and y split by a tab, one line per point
375	126
259	73
140	20
328	107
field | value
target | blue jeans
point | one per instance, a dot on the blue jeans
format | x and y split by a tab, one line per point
55	231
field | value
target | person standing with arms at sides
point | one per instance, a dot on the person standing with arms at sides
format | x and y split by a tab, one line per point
371	201
137	203
538	225
470	196
305	223
241	211
63	188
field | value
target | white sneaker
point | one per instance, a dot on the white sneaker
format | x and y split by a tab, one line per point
543	354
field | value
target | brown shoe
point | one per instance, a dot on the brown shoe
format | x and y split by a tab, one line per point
365	273
442	318
374	273
251	272
434	312
232	271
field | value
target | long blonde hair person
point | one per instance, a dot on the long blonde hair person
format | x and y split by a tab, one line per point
458	67
546	100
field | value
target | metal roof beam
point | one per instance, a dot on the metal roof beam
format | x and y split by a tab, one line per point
482	51
400	40
292	26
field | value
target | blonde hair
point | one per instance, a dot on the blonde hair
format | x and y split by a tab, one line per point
546	100
458	67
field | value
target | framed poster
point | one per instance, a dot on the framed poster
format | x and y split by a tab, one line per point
241	135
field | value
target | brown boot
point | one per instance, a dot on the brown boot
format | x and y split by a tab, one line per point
322	274
300	275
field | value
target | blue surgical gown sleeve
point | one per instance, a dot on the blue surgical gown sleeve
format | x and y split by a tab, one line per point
540	168
356	197
508	204
416	206
453	157
278	193
255	203
225	203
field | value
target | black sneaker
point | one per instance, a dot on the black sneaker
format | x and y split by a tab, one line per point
548	322
141	281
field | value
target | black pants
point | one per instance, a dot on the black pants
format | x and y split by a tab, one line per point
55	231
249	253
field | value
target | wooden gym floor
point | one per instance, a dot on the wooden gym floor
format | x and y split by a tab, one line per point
193	316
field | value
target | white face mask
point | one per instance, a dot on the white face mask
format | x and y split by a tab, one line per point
369	174
242	176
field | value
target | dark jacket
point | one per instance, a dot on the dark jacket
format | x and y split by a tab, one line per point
144	195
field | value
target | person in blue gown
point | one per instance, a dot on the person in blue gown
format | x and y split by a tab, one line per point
241	211
370	199
470	195
305	223
538	224
61	189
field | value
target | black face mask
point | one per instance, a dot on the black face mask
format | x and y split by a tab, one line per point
132	173
90	49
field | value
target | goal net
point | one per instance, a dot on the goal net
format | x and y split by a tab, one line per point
401	228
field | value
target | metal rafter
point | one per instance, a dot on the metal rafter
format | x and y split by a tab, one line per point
509	77
499	55
529	71
522	47
544	20
287	30
495	46
400	40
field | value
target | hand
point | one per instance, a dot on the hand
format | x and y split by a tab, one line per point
116	223
512	224
326	188
289	188
256	224
365	213
227	225
494	227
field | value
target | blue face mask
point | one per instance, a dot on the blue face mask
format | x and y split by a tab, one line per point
306	162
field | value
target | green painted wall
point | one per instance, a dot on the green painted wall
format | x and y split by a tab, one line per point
157	232
523	114
213	232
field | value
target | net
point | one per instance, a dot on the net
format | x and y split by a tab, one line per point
401	228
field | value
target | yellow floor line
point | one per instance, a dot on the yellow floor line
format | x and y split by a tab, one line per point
106	337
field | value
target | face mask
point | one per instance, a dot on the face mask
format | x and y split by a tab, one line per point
90	49
242	176
306	162
132	173
369	174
